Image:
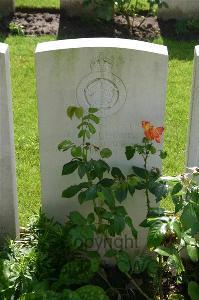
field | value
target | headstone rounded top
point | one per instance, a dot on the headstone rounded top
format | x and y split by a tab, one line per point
102	43
3	48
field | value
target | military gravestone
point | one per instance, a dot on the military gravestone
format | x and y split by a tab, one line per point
126	79
8	194
193	143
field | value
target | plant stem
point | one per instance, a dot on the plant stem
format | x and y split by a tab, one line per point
160	278
137	287
146	180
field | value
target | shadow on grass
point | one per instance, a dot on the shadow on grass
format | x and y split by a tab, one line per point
4	25
180	50
32	10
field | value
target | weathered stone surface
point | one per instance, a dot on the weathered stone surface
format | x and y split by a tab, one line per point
179	9
193	142
73	8
8	194
126	79
7	7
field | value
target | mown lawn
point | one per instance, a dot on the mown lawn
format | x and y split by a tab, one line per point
142	4
25	114
38	3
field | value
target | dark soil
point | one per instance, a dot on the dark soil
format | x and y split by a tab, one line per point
40	22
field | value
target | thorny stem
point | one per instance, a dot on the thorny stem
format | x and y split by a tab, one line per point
131	279
137	287
160	278
145	157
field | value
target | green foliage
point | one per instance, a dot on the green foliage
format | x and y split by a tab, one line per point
16	29
186	26
193	290
90	292
78	271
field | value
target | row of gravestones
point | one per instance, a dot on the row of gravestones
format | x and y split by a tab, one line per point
126	79
177	8
173	9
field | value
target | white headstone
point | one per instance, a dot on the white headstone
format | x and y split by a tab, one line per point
125	78
8	193
193	143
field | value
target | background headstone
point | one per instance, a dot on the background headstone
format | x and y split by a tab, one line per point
7	7
77	72
193	143
179	9
8	193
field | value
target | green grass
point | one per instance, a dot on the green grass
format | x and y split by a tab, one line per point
38	3
25	114
25	123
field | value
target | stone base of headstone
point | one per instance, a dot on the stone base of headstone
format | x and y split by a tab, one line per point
7	7
179	9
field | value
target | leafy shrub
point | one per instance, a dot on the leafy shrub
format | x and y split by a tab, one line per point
90	292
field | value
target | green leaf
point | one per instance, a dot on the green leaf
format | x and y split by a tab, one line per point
140	172
164	251
77	218
193	290
91	218
76	151
156	212
91	192
152	149
79	112
65	145
111	253
73	190
163	154
130	152
190	219
178	203
120	211
70	167
94	118
118	224
121	191
81	133
193	253
105	153
88	134
108	197
156	234
123	262
176	189
82	169
129	222
117	173
82	197
92	110
159	189
71	111
91	128
175	262
106	182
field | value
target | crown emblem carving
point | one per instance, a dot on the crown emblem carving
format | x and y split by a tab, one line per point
101	64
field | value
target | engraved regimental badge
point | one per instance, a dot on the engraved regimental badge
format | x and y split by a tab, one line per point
101	88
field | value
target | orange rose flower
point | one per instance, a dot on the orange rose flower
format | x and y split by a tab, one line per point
151	132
